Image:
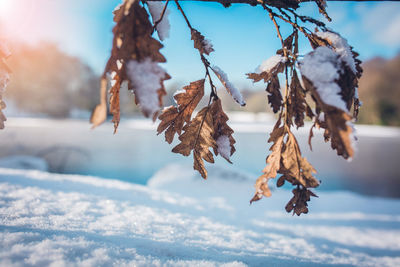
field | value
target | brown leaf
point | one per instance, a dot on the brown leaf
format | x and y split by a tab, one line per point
273	164
200	43
173	118
298	203
295	166
274	97
297	101
267	76
222	132
198	136
114	101
336	124
132	41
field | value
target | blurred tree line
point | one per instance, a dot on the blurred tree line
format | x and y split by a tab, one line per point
49	82
380	92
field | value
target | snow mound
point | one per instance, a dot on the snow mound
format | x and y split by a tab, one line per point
69	220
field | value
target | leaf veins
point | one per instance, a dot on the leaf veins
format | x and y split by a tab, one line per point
173	118
198	136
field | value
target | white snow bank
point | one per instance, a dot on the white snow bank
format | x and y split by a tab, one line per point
182	220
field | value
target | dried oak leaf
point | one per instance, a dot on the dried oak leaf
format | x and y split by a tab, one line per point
173	118
133	42
275	96
200	43
297	101
273	164
222	132
294	166
298	203
198	136
337	124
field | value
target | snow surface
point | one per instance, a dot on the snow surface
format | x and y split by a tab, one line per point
181	220
146	77
270	63
341	47
208	47
232	90
4	49
320	67
163	27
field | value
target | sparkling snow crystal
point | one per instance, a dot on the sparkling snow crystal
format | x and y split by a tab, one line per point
270	63
163	27
146	78
235	93
321	67
341	47
224	146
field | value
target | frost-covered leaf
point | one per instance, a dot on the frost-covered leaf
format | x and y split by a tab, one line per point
163	25
268	69
232	90
198	137
146	79
200	43
134	58
222	132
325	77
337	124
173	118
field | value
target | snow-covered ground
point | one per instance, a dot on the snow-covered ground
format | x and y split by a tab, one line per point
178	219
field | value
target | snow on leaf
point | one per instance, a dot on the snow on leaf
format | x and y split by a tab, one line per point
321	67
222	132
133	45
335	122
341	47
200	43
146	78
268	69
198	137
156	9
232	90
173	118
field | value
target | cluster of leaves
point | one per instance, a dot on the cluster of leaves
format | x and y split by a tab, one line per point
4	79
135	56
331	110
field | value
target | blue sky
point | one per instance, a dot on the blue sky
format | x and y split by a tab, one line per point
242	35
